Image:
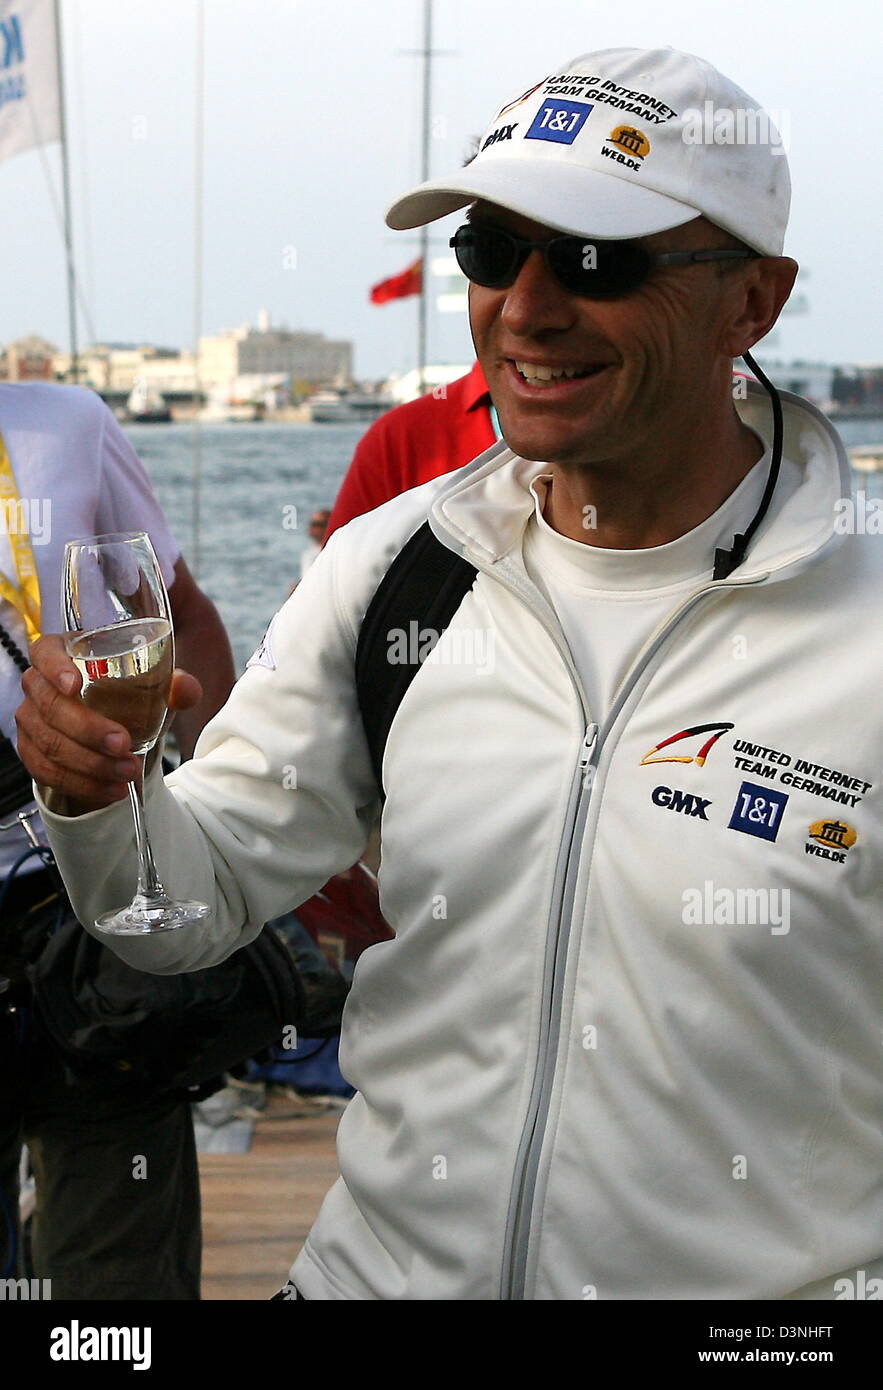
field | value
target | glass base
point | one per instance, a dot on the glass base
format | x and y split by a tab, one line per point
143	917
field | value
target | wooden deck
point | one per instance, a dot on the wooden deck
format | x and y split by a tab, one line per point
258	1207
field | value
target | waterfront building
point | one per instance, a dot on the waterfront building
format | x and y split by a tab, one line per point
115	368
809	379
301	356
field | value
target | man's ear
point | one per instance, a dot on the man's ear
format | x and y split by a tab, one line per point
761	294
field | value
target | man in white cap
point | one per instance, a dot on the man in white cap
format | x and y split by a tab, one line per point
625	1043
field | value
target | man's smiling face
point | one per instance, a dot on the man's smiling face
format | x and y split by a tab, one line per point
633	365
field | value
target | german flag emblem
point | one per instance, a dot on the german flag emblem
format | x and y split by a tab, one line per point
695	731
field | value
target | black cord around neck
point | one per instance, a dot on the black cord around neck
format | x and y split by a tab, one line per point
725	561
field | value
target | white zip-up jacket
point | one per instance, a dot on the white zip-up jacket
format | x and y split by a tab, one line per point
626	1043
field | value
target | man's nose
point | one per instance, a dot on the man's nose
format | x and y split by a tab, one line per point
536	302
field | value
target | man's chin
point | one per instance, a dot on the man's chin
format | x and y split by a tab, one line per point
545	445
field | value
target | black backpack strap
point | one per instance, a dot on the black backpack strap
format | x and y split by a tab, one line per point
426	583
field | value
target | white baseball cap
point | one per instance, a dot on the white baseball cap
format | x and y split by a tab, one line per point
623	143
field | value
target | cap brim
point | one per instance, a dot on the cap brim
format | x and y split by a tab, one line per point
582	201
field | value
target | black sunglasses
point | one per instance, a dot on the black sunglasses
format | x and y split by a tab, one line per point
490	256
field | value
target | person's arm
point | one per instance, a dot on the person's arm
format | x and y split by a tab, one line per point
280	797
202	648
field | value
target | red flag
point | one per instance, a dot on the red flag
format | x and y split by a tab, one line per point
410	281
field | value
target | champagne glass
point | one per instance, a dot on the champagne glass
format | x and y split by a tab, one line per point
119	636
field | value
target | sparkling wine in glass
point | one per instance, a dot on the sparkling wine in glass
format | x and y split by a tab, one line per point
119	636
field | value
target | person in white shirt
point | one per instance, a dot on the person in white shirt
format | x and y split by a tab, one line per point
625	1041
69	473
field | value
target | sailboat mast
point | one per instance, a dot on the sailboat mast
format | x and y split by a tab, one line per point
66	196
424	175
198	192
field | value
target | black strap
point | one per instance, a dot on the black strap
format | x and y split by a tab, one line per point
725	561
425	584
15	780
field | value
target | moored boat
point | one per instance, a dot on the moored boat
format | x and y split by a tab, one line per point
146	406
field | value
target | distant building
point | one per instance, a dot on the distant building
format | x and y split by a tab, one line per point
859	386
263	354
856	387
308	357
812	380
117	367
170	373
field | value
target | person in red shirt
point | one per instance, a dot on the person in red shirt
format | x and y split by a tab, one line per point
416	442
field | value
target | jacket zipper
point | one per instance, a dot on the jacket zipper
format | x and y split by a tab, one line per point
557	938
517	1237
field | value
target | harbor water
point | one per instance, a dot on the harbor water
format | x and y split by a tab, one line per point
260	484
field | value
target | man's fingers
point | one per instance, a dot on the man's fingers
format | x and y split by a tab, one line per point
49	657
68	716
54	748
66	745
51	661
186	691
94	791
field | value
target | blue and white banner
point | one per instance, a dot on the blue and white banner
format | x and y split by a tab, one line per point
29	98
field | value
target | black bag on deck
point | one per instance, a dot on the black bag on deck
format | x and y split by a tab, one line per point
174	1032
167	1032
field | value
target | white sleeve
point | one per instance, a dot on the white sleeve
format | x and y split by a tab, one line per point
126	499
279	797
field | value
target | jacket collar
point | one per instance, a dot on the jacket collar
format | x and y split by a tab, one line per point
481	510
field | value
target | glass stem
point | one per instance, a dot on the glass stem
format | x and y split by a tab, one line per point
150	889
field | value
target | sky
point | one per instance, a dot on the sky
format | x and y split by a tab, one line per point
312	127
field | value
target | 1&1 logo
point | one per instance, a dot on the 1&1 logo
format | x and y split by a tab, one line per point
758	811
559	120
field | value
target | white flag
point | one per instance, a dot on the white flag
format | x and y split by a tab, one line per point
29	99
